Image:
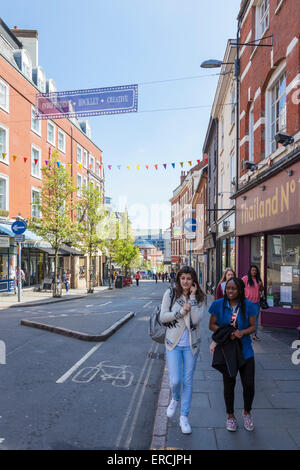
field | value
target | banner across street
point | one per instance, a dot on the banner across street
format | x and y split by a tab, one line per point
93	102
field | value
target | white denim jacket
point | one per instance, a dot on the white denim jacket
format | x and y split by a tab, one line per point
177	322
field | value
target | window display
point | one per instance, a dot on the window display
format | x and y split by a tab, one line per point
283	270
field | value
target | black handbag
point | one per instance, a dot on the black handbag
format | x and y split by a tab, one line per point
263	303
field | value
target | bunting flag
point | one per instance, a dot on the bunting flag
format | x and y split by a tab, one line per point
100	165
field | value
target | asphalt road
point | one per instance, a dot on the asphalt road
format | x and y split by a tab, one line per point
62	393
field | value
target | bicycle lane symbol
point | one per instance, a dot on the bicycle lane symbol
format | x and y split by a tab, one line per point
120	375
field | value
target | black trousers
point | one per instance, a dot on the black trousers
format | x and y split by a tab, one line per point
247	373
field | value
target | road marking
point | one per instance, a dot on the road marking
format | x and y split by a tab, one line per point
64	377
133	399
106	303
89	305
148	303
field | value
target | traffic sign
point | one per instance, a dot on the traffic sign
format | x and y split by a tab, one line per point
19	226
19	238
190	225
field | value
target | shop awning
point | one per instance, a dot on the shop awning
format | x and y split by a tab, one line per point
5	229
63	251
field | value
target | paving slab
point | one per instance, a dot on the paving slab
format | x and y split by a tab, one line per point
259	439
284	400
200	439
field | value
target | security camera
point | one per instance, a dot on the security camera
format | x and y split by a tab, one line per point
284	139
250	166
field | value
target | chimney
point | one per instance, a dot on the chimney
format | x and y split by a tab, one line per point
182	177
29	39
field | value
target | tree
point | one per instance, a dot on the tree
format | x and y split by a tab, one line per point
55	205
91	214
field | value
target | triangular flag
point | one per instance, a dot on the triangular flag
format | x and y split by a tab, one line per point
173	165
128	167
46	162
147	166
190	163
181	164
69	165
4	155
165	165
14	157
119	166
57	163
156	166
80	165
138	167
25	159
109	166
36	160
198	161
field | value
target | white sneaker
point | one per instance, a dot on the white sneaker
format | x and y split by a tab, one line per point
185	425
172	408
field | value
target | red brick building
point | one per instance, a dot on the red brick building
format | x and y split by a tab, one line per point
25	144
268	200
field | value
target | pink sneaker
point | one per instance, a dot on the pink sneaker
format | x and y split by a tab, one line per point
248	422
231	424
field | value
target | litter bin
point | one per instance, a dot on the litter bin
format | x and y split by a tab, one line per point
119	282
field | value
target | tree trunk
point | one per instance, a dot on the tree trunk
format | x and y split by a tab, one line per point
90	288
55	289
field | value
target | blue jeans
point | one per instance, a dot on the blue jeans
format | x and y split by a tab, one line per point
181	365
257	308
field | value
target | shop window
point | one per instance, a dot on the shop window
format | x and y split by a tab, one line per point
283	271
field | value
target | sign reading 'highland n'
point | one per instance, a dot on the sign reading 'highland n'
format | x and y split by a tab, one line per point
80	103
278	206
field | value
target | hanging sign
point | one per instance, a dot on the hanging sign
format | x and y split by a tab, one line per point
93	102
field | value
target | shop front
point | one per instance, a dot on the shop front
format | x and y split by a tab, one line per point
210	251
226	244
268	231
7	264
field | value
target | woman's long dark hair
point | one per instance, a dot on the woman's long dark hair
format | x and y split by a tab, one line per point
257	277
241	289
200	296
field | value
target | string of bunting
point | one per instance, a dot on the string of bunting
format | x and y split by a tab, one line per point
129	167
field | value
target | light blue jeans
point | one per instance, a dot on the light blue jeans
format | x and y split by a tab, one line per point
257	308
181	365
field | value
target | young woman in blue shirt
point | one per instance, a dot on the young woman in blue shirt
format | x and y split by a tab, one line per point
234	305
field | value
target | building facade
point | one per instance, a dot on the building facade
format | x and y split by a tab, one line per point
25	146
268	199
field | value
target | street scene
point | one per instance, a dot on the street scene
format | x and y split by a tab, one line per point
150	227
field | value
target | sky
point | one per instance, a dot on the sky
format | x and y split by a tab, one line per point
157	44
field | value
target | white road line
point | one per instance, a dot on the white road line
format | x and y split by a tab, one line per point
133	399
148	303
106	303
64	377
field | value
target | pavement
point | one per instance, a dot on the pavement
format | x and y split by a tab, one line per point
276	406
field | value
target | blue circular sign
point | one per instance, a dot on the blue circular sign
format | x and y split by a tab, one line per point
19	227
190	225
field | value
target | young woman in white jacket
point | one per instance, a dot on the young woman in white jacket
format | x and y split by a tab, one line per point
182	342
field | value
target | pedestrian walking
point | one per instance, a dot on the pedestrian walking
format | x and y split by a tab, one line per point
137	278
172	277
166	276
182	340
253	288
163	277
235	311
228	274
19	273
66	280
155	277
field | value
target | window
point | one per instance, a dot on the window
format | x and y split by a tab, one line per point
79	154
221	190
222	133
232	174
51	133
283	271
4	192
262	18
79	185
4	95
61	141
251	135
275	111
35	200
35	123
232	97
35	162
4	144
85	158
92	163
26	65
